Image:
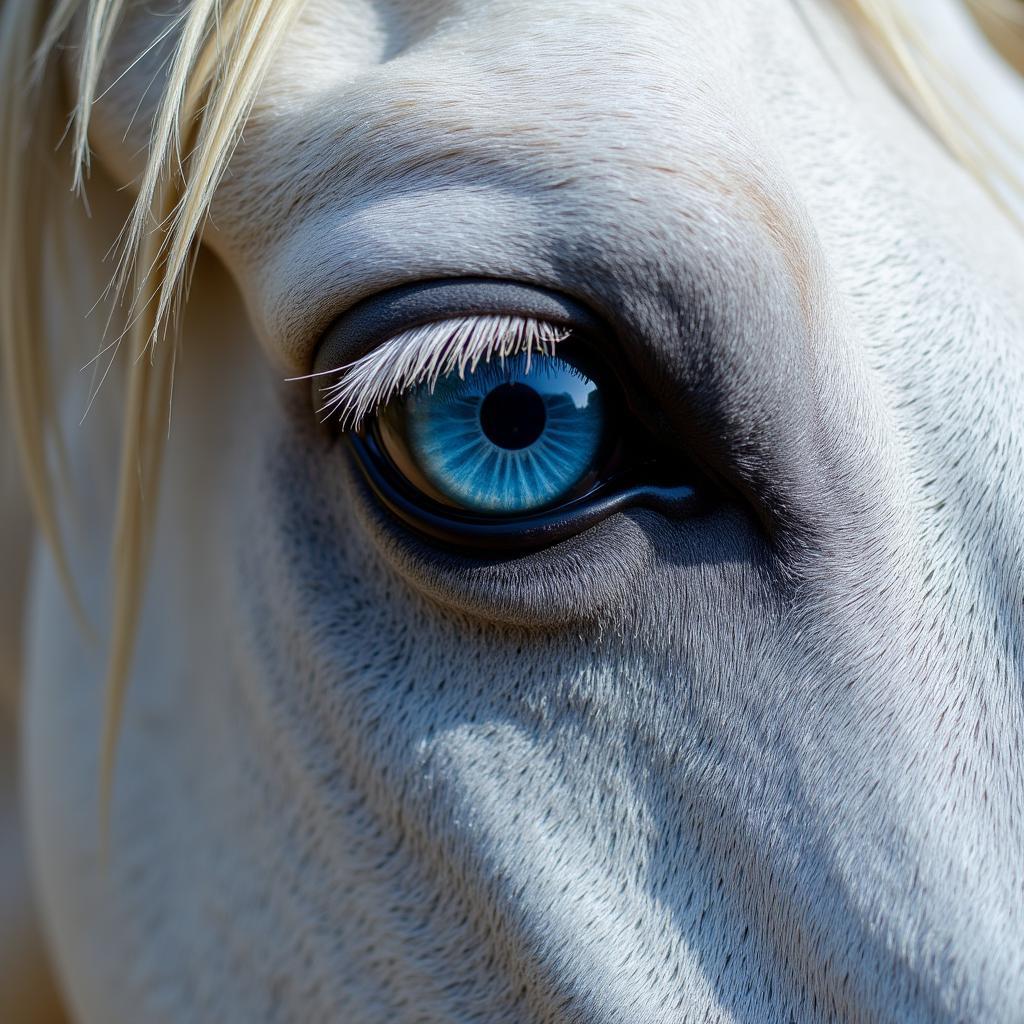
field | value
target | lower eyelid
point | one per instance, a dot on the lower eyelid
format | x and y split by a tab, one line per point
542	529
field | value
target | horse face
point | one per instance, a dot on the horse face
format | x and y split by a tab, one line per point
756	762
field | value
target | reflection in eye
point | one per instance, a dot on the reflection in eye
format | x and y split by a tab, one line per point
515	435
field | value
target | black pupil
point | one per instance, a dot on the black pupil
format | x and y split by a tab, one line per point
513	416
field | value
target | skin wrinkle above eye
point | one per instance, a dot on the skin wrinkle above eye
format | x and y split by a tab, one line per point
391	141
293	319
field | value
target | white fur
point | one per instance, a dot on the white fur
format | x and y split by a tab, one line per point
763	765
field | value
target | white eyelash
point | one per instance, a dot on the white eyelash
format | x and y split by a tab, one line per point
424	354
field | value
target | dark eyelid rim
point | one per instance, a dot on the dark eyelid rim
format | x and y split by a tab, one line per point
464	531
378	318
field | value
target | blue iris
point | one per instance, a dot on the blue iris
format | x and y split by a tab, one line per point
514	435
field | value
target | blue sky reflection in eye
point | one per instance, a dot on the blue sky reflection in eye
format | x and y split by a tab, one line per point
455	453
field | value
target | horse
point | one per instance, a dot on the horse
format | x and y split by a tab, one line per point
537	536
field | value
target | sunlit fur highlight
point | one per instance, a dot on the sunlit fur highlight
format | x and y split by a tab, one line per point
223	49
424	354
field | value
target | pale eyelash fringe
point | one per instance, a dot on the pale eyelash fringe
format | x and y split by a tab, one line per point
425	354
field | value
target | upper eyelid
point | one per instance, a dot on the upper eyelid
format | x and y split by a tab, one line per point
425	353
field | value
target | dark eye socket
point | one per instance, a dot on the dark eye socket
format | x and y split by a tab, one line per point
518	452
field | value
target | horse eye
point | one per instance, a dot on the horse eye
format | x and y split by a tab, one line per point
519	451
514	436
